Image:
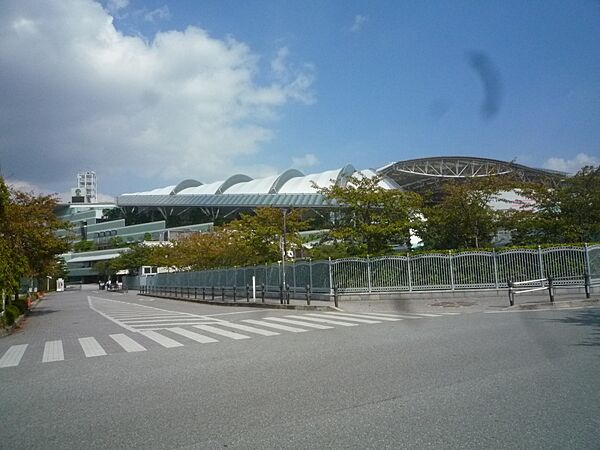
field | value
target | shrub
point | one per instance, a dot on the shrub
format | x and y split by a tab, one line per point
10	314
21	304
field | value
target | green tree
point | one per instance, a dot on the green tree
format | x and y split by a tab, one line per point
116	242
567	213
463	217
138	255
84	246
371	219
28	240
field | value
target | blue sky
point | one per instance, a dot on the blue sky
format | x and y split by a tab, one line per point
320	84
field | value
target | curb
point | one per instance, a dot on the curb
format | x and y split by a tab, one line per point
11	329
249	304
555	305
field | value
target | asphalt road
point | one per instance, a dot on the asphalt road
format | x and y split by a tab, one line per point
93	370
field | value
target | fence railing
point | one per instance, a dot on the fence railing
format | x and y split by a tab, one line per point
437	271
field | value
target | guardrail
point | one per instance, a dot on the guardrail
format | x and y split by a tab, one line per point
513	288
236	293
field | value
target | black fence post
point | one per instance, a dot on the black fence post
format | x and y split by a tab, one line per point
213	293
287	294
195	293
551	289
308	294
234	294
262	292
335	296
511	293
281	294
203	292
586	283
223	294
247	293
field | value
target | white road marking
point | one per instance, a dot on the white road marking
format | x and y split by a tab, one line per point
402	316
53	351
191	335
128	344
121	324
166	319
349	319
329	321
13	356
91	348
364	316
248	329
274	325
426	315
162	340
226	333
298	322
236	312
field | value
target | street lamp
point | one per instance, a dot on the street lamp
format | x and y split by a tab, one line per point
284	211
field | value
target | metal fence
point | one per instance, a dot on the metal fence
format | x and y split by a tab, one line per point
437	271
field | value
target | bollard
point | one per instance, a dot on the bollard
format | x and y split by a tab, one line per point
586	283
262	292
195	293
188	294
287	294
213	293
551	289
247	293
281	294
203	293
234	293
511	293
335	296
308	294
223	294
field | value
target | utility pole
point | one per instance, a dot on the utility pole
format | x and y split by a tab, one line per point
284	211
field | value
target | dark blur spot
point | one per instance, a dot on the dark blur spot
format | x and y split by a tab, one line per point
439	108
490	78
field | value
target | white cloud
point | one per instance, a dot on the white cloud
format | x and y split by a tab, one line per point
359	22
307	160
29	187
157	14
75	92
571	165
115	5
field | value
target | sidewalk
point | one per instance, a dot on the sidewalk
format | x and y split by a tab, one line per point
429	302
438	302
270	303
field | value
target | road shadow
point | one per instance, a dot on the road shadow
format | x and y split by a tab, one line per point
585	318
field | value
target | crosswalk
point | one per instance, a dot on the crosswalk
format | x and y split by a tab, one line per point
149	330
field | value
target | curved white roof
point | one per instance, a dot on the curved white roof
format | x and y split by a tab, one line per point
385	183
257	186
291	181
205	189
158	191
304	185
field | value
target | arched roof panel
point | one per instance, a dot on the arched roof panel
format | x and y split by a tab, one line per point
189	183
304	185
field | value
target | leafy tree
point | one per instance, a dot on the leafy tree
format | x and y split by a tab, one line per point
85	246
138	255
28	240
463	217
371	219
116	242
569	212
251	239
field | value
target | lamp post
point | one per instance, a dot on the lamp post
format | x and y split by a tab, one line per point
284	211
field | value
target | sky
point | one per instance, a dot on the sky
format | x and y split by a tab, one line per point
147	93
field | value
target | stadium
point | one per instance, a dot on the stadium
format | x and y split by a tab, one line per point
191	206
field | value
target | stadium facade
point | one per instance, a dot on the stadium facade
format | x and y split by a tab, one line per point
193	206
